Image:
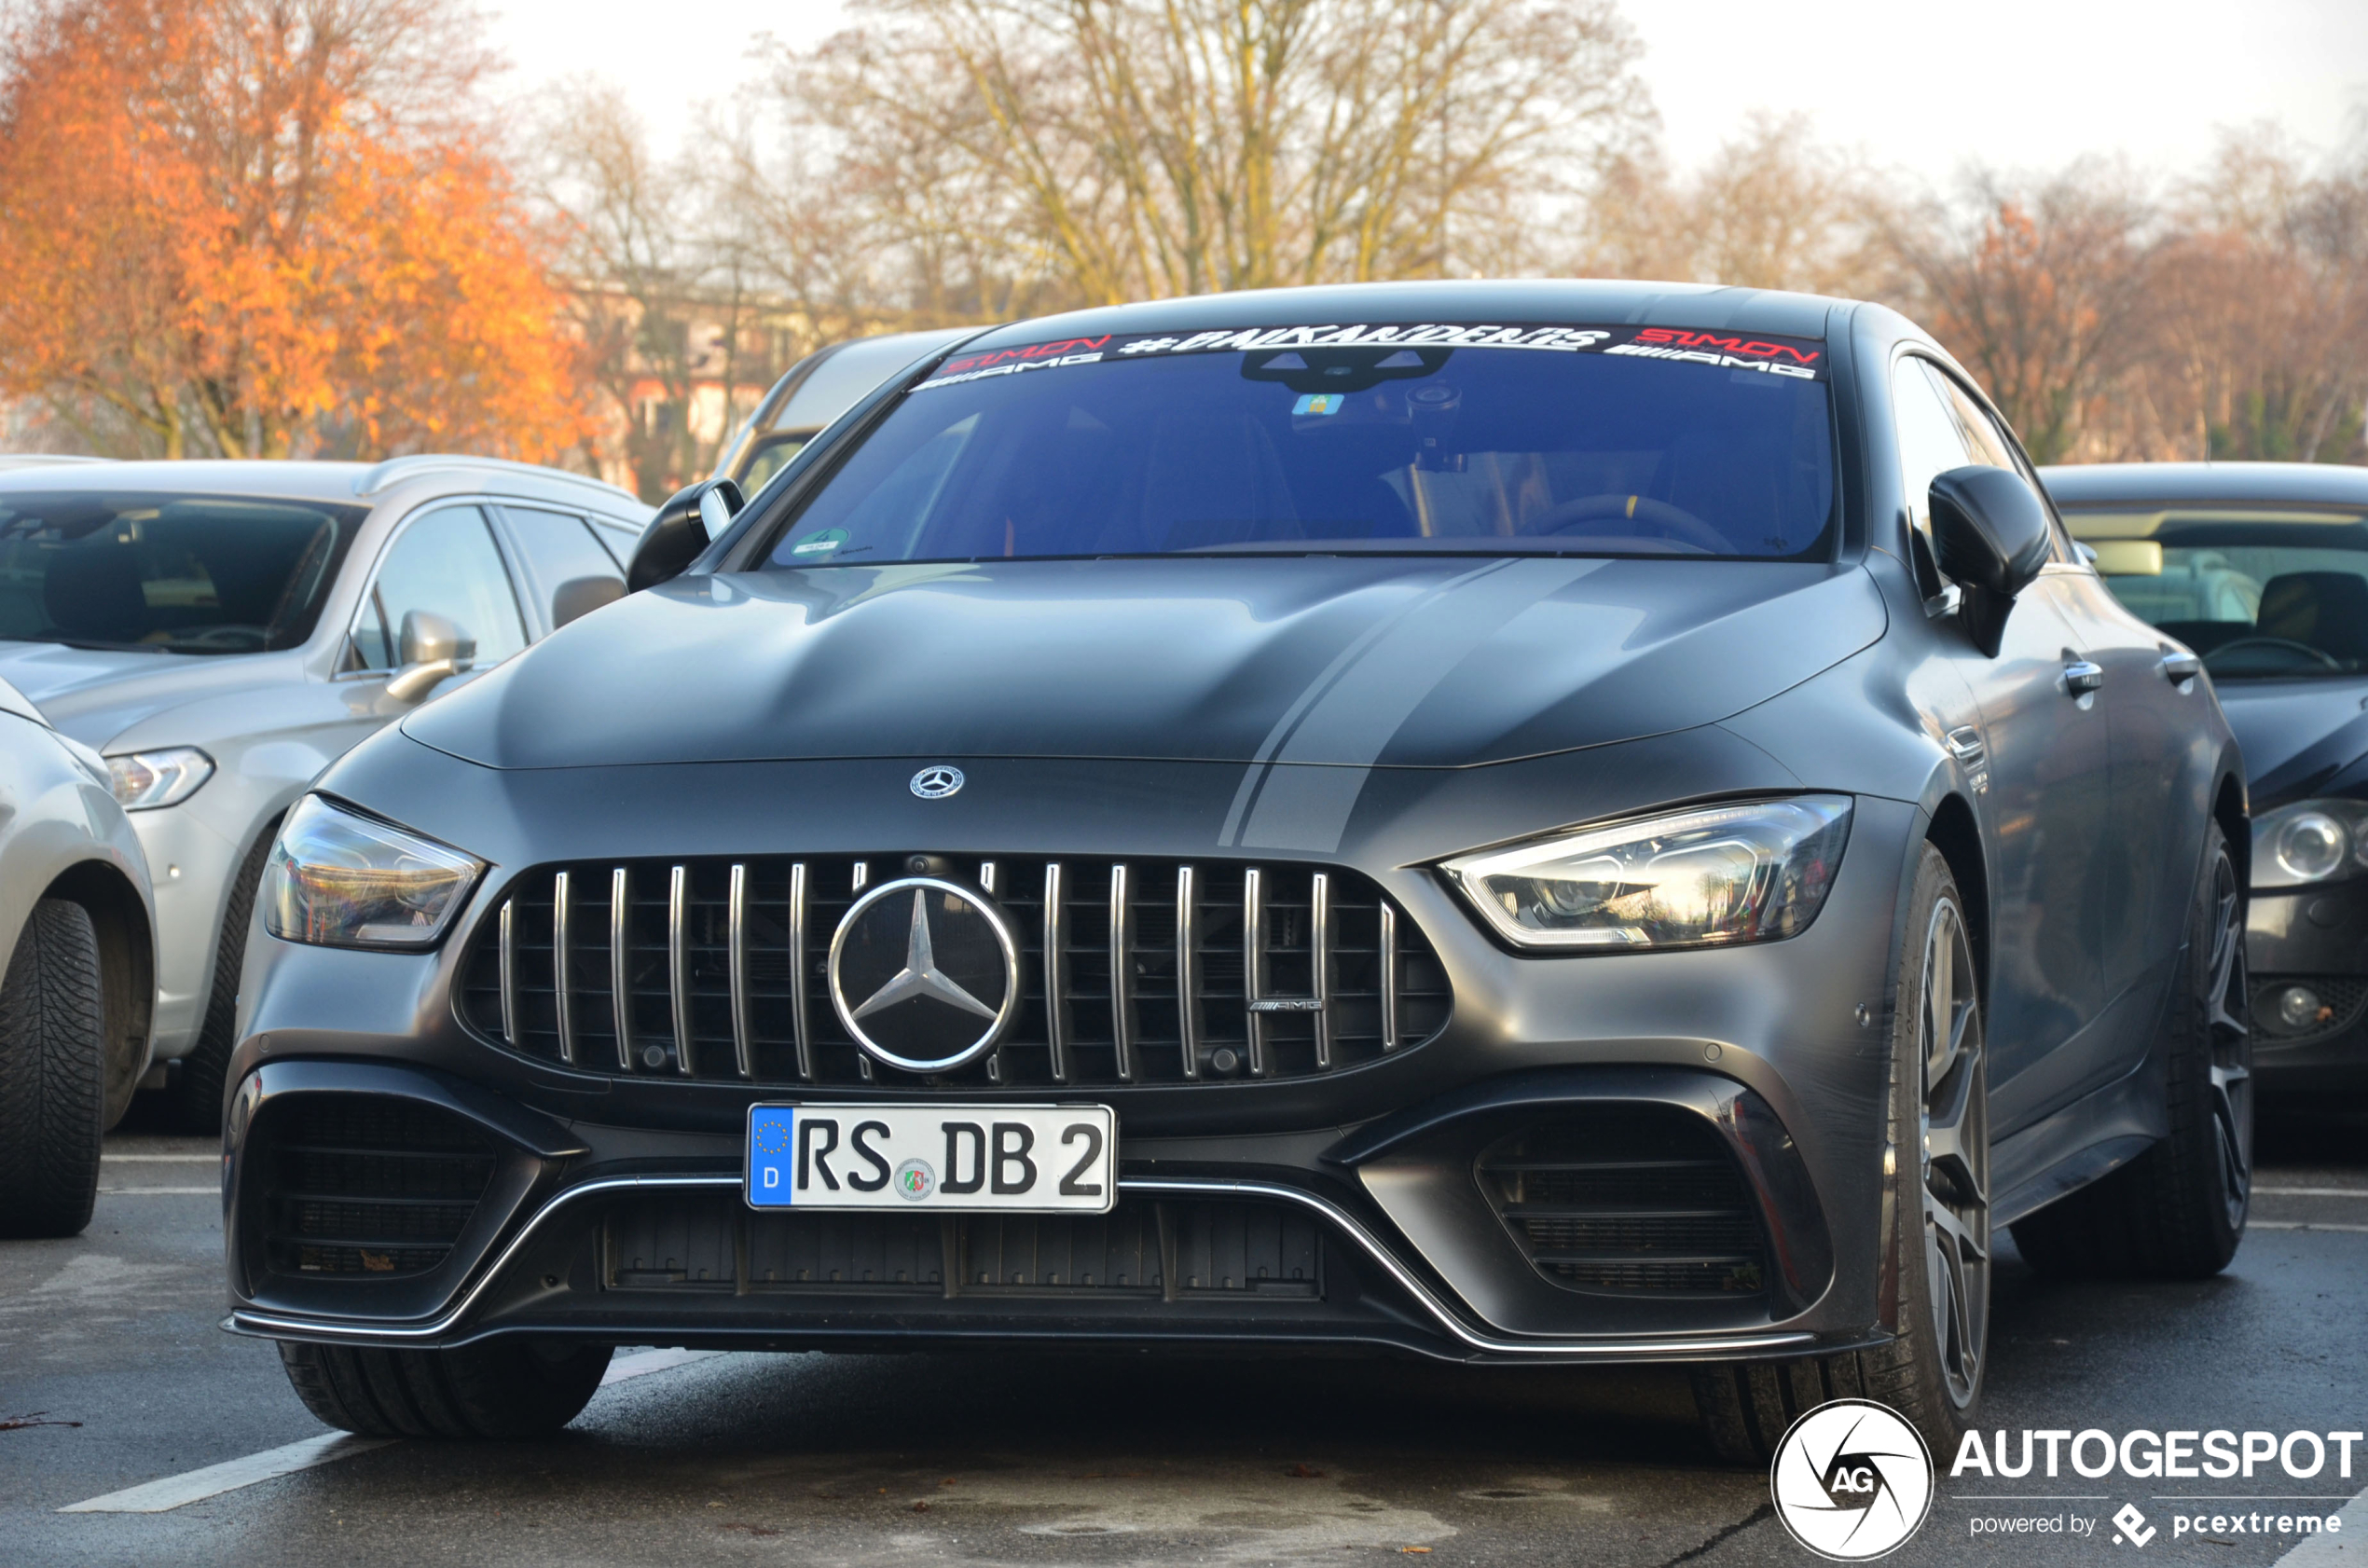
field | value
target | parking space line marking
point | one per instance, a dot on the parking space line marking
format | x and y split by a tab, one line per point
156	1497
2328	1550
158	1159
643	1363
2314	1192
2300	1225
173	1491
168	1192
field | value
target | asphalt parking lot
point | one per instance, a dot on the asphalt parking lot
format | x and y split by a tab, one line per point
114	1375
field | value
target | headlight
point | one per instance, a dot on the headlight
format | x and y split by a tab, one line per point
1723	873
346	881
145	780
2310	841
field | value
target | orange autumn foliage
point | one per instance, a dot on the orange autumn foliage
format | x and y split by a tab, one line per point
269	227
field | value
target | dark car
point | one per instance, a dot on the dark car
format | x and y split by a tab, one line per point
2262	569
1538	823
816	391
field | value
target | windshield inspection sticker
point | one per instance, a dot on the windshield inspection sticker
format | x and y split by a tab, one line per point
821	543
1320	402
1797	358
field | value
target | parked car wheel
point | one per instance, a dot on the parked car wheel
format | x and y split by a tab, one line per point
199	1090
2177	1210
497	1388
1932	1372
52	1073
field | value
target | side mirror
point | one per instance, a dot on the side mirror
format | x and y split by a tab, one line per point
684	526
1991	532
432	647
578	597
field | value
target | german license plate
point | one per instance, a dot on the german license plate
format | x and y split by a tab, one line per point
1041	1159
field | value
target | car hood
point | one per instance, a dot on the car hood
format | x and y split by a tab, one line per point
2297	734
1353	660
96	693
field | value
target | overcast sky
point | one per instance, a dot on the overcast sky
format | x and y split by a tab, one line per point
2018	83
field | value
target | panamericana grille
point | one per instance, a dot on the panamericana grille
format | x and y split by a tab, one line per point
1161	1250
1131	971
1632	1199
368	1185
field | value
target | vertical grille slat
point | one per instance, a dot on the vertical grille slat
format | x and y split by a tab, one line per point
562	903
1254	966
1133	971
1056	990
510	973
735	939
1187	975
1121	976
678	963
801	999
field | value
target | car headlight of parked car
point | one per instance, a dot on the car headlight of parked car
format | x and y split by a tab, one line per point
344	880
2310	841
1752	870
145	780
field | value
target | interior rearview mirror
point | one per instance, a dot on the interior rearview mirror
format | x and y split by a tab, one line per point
1990	534
431	647
578	597
684	526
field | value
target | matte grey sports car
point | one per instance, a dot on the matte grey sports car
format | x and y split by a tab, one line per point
1535	823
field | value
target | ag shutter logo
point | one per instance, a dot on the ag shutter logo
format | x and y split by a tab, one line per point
1852	1480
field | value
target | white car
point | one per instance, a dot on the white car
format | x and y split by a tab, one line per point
75	923
223	631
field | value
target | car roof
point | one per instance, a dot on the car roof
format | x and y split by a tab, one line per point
1702	305
2309	484
345	484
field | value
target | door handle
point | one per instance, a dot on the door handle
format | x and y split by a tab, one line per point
2082	678
2180	668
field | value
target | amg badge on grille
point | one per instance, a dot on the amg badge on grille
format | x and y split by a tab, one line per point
925	974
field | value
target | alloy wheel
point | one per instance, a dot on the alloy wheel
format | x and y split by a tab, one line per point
2228	1012
1955	1164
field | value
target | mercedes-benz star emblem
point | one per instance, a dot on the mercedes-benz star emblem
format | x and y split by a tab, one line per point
936	783
925	974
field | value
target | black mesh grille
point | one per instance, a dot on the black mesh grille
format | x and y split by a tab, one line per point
367	1185
1633	1200
1119	1013
2341	999
1212	1249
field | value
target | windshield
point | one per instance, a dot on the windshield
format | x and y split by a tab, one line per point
2261	595
179	574
1474	439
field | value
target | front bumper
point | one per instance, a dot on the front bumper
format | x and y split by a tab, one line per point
1778	1053
576	1236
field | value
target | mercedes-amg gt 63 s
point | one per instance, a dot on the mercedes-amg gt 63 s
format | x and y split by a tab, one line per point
1555	824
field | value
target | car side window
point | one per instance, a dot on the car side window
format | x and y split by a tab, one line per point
443	561
1932	439
560	548
1991	444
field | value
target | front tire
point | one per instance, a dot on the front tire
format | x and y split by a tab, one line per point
1939	1203
53	1073
505	1388
2177	1211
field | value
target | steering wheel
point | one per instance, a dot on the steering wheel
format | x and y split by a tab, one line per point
1659	517
2283	644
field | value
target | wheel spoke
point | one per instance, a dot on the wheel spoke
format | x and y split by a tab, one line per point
1954	1123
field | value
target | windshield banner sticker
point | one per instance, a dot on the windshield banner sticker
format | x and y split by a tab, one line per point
1801	358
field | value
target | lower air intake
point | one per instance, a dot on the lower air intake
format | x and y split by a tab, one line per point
1637	1200
368	1186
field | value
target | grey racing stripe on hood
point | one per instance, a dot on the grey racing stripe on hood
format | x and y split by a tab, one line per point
1348	714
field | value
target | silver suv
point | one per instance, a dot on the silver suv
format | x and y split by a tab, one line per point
223	631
